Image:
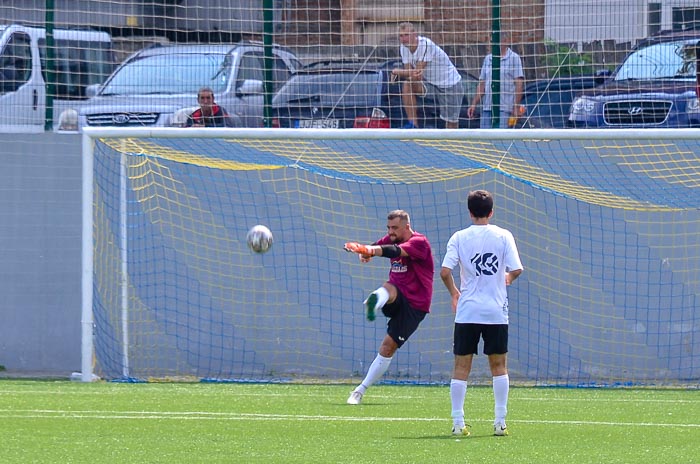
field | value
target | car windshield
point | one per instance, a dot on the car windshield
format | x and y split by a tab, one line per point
186	74
670	60
338	89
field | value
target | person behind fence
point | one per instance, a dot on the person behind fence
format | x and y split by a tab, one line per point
427	71
511	91
209	114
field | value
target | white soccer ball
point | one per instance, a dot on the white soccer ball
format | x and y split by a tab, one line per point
259	239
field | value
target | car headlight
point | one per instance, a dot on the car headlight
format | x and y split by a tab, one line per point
693	105
582	105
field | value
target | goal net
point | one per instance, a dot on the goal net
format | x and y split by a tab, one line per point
607	224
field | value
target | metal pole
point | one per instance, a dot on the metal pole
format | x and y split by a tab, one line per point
697	69
50	65
495	63
124	258
268	30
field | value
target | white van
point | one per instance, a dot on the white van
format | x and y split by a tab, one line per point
82	58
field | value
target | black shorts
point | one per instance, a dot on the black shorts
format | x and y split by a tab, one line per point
466	338
403	319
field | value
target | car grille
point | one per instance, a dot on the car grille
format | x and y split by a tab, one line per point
636	112
122	119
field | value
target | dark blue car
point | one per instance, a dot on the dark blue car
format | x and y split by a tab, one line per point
354	94
655	86
547	102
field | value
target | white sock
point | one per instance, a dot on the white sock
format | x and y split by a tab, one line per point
458	391
500	395
382	297
375	372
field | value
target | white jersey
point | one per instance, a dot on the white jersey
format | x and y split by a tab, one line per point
439	70
484	254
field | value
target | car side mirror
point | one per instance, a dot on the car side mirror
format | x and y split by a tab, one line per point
91	90
250	87
601	76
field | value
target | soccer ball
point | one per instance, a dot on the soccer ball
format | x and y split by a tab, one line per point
259	239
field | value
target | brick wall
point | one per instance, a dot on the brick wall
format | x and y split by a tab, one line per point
462	28
333	28
449	22
312	22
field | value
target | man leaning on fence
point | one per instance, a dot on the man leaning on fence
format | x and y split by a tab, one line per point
427	71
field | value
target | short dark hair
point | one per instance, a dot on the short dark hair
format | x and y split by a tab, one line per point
407	26
399	213
205	90
480	203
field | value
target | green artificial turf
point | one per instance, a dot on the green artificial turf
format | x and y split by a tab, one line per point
69	422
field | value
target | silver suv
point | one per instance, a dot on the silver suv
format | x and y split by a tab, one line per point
158	85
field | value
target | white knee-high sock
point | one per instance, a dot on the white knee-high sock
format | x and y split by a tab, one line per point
458	391
501	384
375	372
382	297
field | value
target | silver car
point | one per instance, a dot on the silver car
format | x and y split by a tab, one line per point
158	85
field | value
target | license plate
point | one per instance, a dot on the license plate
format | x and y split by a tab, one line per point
317	123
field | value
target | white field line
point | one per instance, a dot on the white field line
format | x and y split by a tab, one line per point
222	392
203	415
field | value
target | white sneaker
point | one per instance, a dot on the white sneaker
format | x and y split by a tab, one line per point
355	397
500	430
463	431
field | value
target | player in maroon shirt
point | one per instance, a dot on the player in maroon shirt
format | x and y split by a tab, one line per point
405	298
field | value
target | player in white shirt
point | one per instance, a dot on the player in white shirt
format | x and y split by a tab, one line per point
428	70
488	262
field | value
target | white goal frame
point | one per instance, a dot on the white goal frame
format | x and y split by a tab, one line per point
88	144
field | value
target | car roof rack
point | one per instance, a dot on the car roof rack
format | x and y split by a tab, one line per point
667	35
260	43
349	63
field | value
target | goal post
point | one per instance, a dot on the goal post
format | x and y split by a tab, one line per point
87	252
607	223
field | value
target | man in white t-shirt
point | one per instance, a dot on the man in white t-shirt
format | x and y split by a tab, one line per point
511	88
428	70
488	262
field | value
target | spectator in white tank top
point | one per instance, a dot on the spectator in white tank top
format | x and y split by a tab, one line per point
427	70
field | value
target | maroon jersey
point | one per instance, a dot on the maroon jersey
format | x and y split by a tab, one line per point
413	274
